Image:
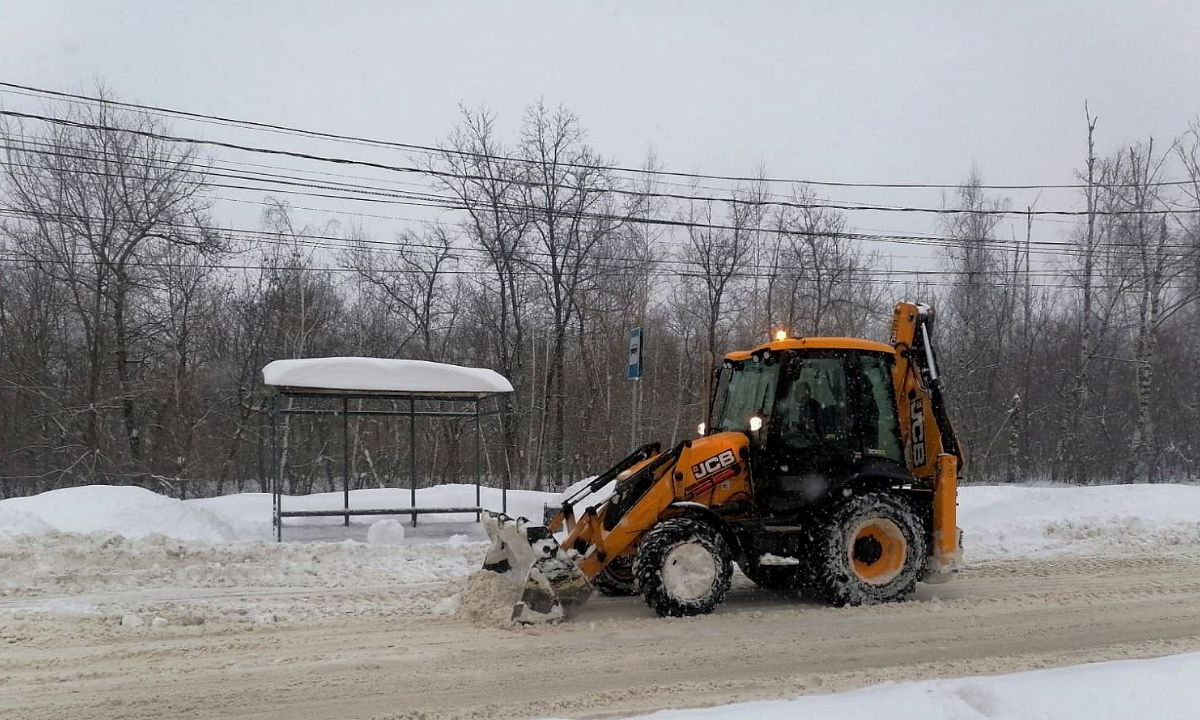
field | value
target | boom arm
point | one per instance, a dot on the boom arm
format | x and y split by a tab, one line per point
919	393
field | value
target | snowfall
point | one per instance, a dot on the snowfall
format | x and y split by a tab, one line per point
129	551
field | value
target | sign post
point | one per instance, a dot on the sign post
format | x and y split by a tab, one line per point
635	354
634	372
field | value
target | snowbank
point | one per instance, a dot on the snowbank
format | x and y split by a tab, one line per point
1156	688
16	522
997	521
132	512
1006	521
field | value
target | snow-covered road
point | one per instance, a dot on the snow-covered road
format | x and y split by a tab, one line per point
1055	576
615	659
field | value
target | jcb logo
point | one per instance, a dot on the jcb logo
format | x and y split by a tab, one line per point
916	417
704	468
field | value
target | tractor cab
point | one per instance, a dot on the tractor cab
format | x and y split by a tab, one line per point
820	411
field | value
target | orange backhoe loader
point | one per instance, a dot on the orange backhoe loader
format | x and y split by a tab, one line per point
827	467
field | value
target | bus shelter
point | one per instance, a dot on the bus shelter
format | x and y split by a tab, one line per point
346	387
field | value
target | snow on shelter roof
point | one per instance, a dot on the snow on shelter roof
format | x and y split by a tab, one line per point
341	375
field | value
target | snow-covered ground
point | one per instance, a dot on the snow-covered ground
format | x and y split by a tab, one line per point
998	521
1159	688
1014	521
99	548
125	563
109	550
246	517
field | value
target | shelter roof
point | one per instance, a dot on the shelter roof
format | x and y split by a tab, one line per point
382	376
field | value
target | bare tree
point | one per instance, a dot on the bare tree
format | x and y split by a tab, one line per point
1154	257
473	166
411	283
820	277
721	238
566	200
95	200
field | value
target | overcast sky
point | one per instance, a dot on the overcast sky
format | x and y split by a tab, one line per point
882	91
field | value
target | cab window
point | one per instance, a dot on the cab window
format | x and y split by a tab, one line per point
814	410
880	432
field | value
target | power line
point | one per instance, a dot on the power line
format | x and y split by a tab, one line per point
150	111
1038	246
285	129
625	264
595	191
1060	248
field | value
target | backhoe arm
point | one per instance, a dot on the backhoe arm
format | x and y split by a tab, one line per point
932	447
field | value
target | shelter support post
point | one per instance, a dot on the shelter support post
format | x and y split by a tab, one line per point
502	419
478	462
346	459
275	474
412	457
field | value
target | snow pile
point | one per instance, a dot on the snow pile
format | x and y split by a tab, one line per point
384	375
997	521
16	522
1009	521
57	563
487	598
107	549
386	532
131	511
134	513
1155	688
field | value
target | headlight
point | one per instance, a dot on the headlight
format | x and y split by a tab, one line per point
700	429
756	423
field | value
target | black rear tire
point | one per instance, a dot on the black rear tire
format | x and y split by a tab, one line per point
871	549
616	579
683	567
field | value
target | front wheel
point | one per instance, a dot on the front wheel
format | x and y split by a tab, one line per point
870	550
683	567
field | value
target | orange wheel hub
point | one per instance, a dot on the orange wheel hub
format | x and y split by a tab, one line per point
877	550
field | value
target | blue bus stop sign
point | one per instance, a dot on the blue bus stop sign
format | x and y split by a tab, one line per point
634	371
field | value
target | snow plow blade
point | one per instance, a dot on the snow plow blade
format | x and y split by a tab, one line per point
552	587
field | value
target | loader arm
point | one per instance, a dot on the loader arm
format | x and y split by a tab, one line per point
632	463
710	471
555	578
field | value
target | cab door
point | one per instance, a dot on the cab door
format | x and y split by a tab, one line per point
811	434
